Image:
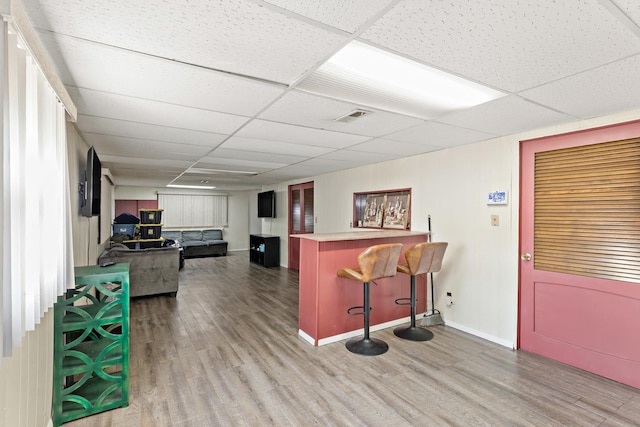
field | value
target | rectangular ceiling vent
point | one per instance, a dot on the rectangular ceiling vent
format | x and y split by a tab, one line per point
355	114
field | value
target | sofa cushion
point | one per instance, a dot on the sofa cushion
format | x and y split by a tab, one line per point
190	235
190	243
172	235
215	242
209	235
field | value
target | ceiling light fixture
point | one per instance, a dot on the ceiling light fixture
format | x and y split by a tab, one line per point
197	187
203	171
369	76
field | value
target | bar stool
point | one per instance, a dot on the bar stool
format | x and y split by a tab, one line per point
421	258
375	262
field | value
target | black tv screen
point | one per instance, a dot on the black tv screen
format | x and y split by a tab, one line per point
93	184
267	204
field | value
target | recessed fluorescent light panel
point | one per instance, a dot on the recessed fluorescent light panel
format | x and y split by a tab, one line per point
366	75
197	187
203	171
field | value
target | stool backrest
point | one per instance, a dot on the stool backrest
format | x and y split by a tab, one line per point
379	261
438	255
425	257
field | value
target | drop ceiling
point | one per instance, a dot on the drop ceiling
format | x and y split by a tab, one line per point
181	91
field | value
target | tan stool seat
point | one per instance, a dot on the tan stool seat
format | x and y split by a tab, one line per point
421	258
375	262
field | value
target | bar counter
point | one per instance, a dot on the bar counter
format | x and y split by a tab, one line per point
324	297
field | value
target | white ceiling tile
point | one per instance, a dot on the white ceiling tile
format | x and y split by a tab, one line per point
158	171
440	135
509	45
125	128
159	165
274	147
109	69
275	176
387	146
345	15
506	116
318	167
612	88
361	157
144	148
212	162
237	36
121	107
631	8
272	131
257	156
141	76
219	182
319	112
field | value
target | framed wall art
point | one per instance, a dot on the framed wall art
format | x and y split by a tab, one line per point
382	209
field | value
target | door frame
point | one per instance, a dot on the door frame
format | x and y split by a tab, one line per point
528	148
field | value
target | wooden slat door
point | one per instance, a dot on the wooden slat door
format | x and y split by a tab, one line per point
580	250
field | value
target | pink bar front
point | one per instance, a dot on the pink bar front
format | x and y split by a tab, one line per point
324	297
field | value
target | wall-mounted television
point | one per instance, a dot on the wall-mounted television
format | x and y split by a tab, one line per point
267	204
92	185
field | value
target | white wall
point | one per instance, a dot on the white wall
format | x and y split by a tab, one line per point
255	223
84	229
237	233
481	264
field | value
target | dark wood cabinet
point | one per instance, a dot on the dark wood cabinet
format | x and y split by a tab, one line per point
264	250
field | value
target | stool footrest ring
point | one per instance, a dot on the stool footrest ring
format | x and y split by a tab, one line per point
356	307
403	301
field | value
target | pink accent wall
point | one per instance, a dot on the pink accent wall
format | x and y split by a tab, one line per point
132	206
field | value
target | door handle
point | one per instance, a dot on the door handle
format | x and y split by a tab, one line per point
525	257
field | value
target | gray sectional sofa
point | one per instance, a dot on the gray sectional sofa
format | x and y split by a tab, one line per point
198	243
152	271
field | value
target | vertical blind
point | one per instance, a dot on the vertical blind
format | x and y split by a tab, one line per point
587	210
37	253
193	210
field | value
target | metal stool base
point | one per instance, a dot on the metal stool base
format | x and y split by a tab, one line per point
413	333
367	346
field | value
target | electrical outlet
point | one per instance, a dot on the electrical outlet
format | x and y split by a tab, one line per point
449	299
495	220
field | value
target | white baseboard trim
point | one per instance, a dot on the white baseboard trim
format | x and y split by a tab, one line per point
357	332
305	336
480	334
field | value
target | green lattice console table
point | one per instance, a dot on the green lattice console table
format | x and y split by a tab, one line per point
91	344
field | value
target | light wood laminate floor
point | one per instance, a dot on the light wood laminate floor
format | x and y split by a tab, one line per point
226	352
